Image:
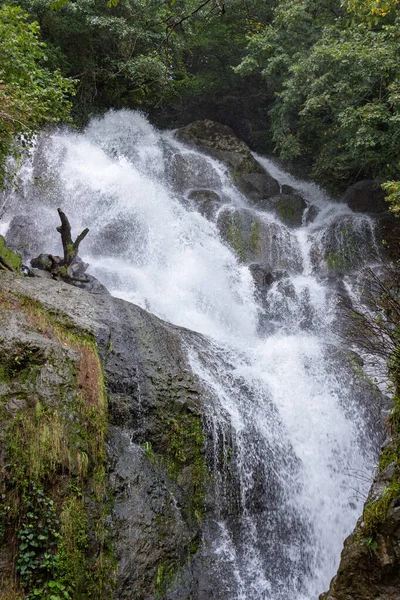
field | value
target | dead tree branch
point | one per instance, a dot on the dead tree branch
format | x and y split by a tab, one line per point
70	248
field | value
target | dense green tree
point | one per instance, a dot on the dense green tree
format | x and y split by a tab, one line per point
336	78
31	95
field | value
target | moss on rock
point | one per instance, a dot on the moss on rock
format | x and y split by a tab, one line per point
53	413
9	257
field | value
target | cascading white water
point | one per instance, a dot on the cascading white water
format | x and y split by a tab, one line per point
284	391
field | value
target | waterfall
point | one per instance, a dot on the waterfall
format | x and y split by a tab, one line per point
292	422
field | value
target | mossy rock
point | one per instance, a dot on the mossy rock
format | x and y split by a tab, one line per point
289	208
9	257
220	142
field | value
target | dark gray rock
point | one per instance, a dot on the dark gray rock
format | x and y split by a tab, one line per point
187	171
311	214
262	275
42	262
290	208
207	202
90	284
370	566
22	236
150	390
255	239
348	243
117	238
365	196
220	142
259	188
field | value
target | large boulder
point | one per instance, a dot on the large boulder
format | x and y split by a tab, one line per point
190	170
365	196
207	202
24	236
257	239
290	208
348	243
157	473
220	142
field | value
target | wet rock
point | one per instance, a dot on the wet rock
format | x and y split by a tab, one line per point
262	275
256	239
290	208
259	188
117	237
22	236
42	262
311	214
207	201
365	196
151	394
190	170
287	189
347	243
90	284
370	565
220	142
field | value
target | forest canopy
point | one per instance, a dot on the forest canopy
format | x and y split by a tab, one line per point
314	81
31	95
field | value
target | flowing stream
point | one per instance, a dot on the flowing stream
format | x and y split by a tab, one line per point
291	417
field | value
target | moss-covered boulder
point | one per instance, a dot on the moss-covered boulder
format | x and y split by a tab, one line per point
101	432
289	208
220	142
346	244
53	422
257	239
9	259
207	202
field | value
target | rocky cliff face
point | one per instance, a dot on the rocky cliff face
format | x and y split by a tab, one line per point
370	561
103	417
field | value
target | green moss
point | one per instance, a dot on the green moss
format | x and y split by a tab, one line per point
336	261
375	513
234	239
11	258
166	574
186	461
255	236
286	212
58	448
387	457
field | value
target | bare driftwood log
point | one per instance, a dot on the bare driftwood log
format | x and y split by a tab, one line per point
70	267
70	248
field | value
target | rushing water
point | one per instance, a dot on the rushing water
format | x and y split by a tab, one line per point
292	444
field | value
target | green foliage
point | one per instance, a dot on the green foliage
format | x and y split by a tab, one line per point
11	258
31	95
336	81
375	513
393	195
